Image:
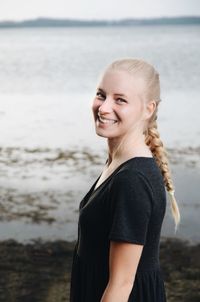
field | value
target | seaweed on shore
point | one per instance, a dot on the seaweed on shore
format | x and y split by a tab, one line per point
180	263
40	272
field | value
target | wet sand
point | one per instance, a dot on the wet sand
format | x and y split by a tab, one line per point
41	190
40	272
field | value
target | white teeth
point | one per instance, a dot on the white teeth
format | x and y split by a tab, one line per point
106	121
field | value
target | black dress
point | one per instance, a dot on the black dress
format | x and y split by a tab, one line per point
128	206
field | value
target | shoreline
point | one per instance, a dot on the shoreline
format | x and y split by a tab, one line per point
40	272
40	196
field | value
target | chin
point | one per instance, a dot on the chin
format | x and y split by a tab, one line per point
100	133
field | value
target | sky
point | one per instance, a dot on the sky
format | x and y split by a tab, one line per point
93	9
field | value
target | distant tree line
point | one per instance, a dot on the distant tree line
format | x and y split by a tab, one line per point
49	22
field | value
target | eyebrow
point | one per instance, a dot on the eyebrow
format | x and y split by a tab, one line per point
120	94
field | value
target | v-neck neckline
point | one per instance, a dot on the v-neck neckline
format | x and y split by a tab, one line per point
125	162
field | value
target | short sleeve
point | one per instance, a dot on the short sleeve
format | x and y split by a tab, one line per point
131	207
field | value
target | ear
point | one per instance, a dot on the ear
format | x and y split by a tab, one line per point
149	109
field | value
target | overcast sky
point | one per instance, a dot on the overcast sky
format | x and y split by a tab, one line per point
93	9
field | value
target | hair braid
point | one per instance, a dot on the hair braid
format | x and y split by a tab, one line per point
159	152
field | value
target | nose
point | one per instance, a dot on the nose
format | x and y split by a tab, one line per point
106	106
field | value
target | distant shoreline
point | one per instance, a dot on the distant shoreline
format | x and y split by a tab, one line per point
51	22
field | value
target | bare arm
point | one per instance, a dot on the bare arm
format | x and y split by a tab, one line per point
123	261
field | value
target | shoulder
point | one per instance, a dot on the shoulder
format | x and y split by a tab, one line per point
142	171
130	186
130	177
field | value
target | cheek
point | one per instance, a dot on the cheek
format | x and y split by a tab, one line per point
95	105
131	115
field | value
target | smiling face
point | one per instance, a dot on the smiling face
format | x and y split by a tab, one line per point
118	107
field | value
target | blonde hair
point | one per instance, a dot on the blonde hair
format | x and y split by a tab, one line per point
150	76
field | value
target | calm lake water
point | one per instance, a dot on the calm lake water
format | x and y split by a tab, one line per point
48	79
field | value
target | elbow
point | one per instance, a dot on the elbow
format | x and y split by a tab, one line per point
126	287
125	284
117	291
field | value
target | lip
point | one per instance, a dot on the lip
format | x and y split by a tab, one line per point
106	121
105	118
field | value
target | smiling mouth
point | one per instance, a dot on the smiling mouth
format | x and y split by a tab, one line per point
106	121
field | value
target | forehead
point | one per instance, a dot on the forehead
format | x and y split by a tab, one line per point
121	81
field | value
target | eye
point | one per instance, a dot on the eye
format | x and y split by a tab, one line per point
100	95
120	100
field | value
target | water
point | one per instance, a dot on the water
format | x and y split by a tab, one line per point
48	79
68	60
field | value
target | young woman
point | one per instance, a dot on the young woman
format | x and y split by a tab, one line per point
116	257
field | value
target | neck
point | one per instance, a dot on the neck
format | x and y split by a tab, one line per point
120	149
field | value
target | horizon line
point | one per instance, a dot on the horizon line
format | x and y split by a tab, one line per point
99	19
